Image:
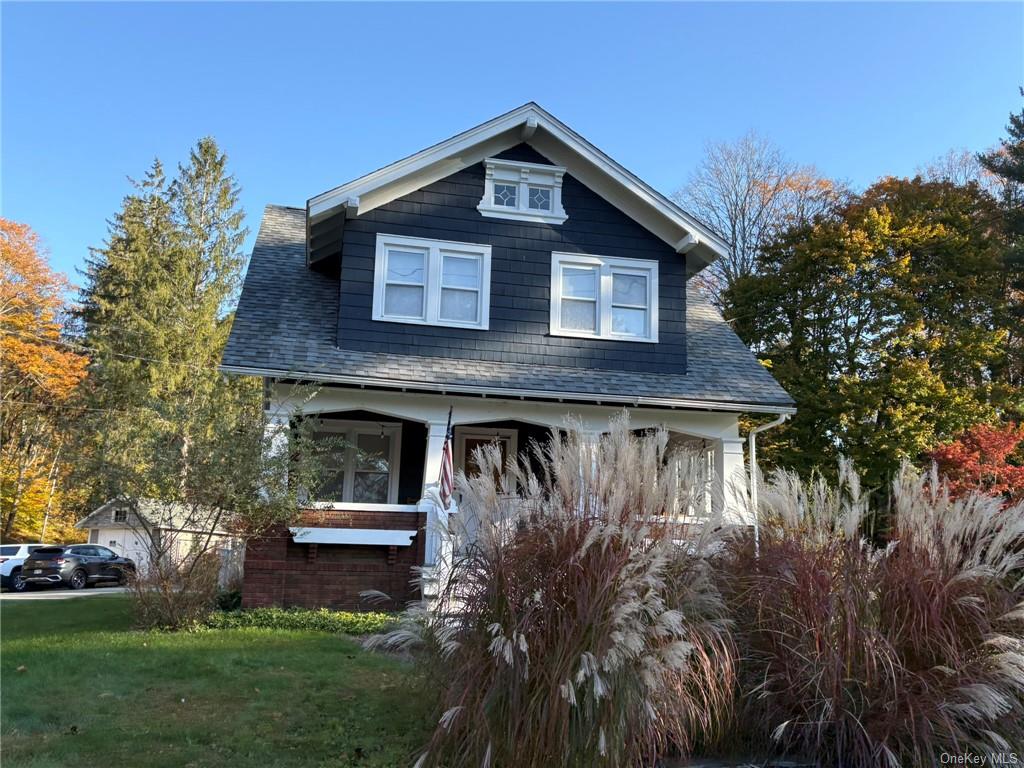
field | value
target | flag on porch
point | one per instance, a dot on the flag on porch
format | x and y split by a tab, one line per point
446	483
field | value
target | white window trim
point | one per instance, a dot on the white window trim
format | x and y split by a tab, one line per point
432	282
462	433
523	176
348	430
607	266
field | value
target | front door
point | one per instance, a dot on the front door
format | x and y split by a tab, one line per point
469	439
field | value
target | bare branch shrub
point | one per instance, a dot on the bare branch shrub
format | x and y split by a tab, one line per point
578	624
864	657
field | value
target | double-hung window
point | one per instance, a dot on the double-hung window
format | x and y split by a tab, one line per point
432	282
361	462
604	297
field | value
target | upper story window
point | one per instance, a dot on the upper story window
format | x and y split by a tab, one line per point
523	191
432	282
604	297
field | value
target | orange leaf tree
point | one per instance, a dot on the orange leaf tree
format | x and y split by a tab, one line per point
38	374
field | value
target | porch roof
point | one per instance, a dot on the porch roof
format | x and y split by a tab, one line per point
286	324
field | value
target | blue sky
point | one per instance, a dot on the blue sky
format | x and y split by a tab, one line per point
305	97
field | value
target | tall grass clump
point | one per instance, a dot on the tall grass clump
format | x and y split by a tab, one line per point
578	623
859	656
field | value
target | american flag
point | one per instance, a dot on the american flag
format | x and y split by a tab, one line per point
446	482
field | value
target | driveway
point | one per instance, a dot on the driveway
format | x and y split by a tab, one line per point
62	594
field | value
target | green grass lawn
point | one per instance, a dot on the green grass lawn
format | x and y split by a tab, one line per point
81	688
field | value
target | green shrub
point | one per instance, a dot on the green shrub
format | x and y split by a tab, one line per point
318	619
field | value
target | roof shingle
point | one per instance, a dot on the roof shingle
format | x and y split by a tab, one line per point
286	323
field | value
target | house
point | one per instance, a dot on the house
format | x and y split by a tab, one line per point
137	530
514	274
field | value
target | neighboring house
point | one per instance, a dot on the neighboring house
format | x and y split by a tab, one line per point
134	531
514	273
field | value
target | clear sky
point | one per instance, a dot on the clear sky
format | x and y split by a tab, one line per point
306	97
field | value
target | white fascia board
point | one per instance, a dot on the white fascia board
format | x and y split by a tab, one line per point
539	394
554	139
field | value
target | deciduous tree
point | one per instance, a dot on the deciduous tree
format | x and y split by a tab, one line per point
38	374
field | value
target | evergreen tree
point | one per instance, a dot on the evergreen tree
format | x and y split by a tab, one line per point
154	315
1007	164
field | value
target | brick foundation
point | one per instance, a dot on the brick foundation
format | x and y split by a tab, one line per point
280	572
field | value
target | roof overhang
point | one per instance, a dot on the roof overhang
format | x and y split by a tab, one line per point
553	139
508	393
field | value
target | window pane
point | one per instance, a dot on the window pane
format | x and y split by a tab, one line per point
403	300
629	289
373	452
371	488
629	321
460	306
505	195
332	464
579	282
579	315
405	266
540	198
461	272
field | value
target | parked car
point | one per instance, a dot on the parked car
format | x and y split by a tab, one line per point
11	558
76	566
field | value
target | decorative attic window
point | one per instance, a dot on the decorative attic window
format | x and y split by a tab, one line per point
522	191
604	297
432	282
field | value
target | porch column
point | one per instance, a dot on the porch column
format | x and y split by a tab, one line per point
276	428
436	517
730	497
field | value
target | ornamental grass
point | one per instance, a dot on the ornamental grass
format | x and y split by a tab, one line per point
579	623
859	656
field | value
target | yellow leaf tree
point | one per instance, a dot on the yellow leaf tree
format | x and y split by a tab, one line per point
38	374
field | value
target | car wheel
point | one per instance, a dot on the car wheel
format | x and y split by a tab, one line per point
18	584
77	580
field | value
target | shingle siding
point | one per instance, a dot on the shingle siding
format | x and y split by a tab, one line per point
520	278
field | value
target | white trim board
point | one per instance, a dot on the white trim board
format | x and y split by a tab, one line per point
367	537
554	140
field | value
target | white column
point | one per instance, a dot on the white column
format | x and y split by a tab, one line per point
436	516
276	429
730	492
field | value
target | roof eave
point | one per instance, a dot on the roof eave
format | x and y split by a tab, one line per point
515	393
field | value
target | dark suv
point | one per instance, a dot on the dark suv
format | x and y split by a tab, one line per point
75	566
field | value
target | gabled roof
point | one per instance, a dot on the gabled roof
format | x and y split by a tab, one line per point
285	327
555	140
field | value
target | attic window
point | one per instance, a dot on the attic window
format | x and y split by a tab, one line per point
522	191
120	515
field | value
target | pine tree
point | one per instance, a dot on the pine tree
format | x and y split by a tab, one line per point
155	316
1007	164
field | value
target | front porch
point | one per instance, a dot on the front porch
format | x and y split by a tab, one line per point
373	522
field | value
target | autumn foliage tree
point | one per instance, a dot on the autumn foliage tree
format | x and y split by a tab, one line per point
38	375
983	459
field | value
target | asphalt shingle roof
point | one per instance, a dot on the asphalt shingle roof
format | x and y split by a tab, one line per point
286	326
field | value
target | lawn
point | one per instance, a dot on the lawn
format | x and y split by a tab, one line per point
80	687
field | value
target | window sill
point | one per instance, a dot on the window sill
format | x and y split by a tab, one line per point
514	214
609	337
438	324
355	506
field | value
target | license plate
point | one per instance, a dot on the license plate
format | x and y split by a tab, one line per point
38	570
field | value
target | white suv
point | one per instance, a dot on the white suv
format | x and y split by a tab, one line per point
11	558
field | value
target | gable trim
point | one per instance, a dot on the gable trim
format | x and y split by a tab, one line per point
552	138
